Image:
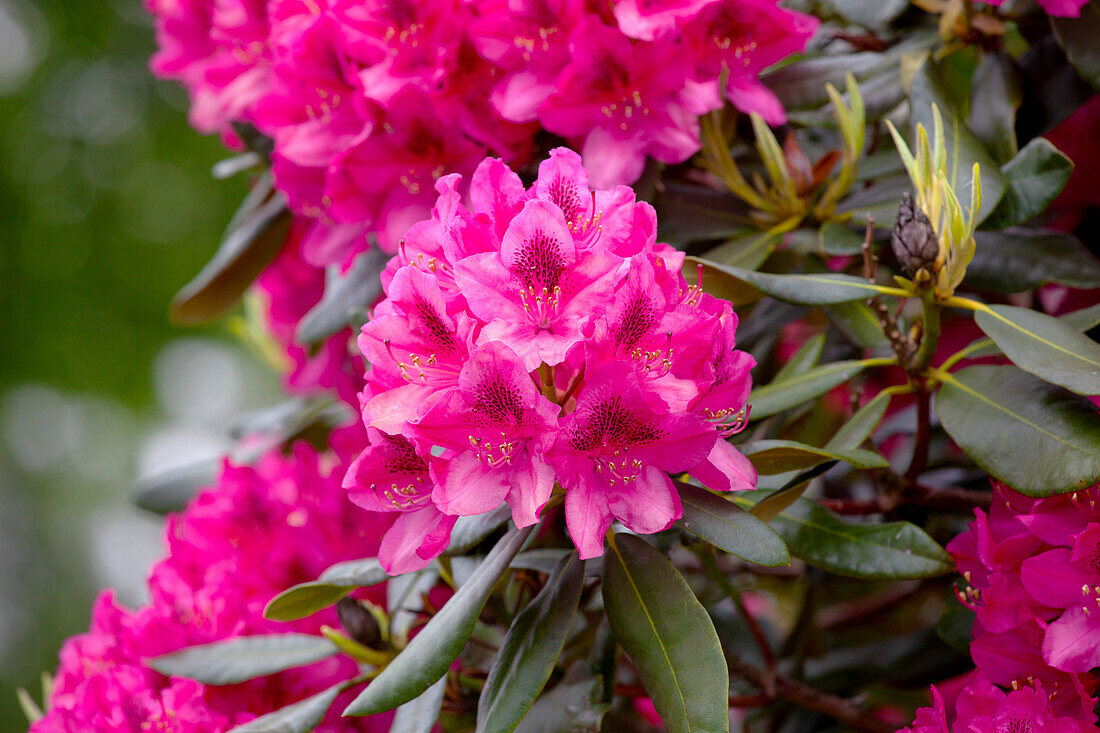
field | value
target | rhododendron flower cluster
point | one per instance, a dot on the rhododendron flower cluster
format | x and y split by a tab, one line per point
240	543
543	337
1032	572
368	103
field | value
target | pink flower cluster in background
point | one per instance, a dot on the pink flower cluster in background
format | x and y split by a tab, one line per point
1032	572
240	543
370	102
540	337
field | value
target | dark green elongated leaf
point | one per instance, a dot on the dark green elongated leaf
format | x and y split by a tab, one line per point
928	88
171	491
342	578
857	322
690	212
1077	37
782	395
872	14
801	85
769	507
728	527
1084	319
804	359
719	284
748	251
956	625
542	560
779	456
668	635
236	660
995	97
808	289
839	239
1035	178
1038	438
878	201
419	715
469	532
861	425
531	649
1044	346
344	293
430	653
1015	260
857	550
301	717
573	706
256	234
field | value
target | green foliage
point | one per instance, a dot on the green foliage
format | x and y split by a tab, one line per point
243	658
338	581
728	527
301	717
1035	177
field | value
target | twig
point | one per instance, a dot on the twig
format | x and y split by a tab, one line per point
923	436
899	343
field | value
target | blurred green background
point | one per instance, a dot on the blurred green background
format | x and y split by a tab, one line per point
106	208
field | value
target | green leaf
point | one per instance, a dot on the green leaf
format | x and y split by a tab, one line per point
430	653
872	14
531	649
1037	438
342	578
768	507
1084	319
860	426
718	283
471	531
1044	346
809	289
956	625
1077	37
728	527
1035	178
542	560
801	85
301	717
839	239
858	550
857	322
253	239
344	294
1015	260
781	395
573	706
669	636
804	359
995	97
419	715
748	251
779	456
243	658
171	491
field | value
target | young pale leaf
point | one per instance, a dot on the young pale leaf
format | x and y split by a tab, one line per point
1037	438
531	649
728	527
861	425
429	655
236	660
1077	37
1044	346
256	234
779	456
1035	177
842	546
342	578
344	293
419	715
301	717
669	636
1015	260
809	288
781	395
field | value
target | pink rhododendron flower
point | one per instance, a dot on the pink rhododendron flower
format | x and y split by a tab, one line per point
536	338
1064	8
255	533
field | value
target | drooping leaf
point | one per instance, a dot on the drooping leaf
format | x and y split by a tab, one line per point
1038	438
573	706
809	288
243	658
781	395
342	578
344	293
860	426
301	717
768	506
858	550
667	633
1015	260
1077	37
430	653
728	527
252	240
471	531
531	649
1035	177
419	715
1044	346
779	456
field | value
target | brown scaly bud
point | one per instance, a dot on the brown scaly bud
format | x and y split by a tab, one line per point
359	623
914	240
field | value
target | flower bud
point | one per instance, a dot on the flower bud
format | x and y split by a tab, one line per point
914	240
